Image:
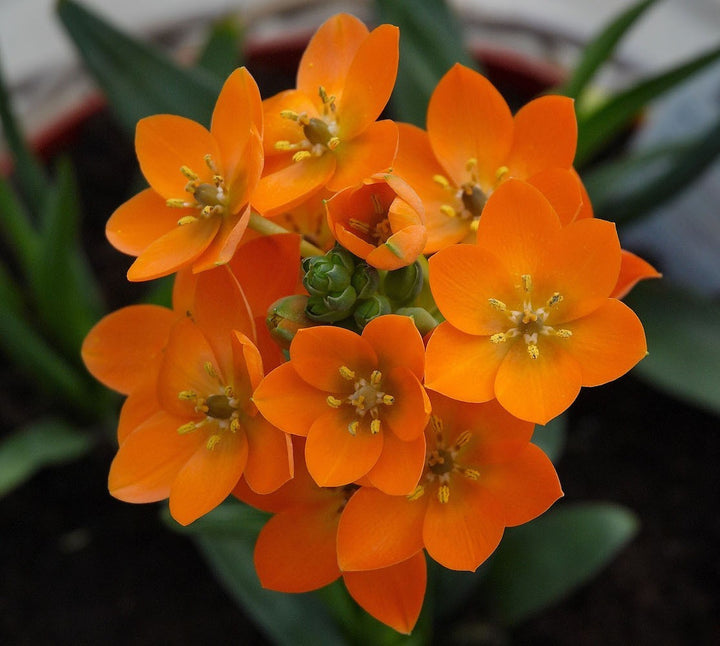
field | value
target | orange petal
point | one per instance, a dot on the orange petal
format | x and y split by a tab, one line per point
165	143
140	406
538	389
141	220
607	343
178	247
295	551
408	415
544	136
632	270
392	595
463	278
396	342
208	477
149	460
462	366
225	242
377	530
372	151
468	119
318	353
269	463
247	366
563	189
329	54
516	224
399	466
120	346
289	402
369	81
334	456
526	486
279	128
462	532
582	264
400	249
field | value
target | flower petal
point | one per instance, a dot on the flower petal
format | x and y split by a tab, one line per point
269	463
396	342
563	189
632	270
408	415
399	466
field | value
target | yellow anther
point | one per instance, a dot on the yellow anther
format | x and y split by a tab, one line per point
289	114
533	351
448	210
563	333
471	164
213	441
346	373
189	174
526	282
377	205
375	378
501	172
443	494
210	163
442	180
554	299
187	219
333	143
418	492
463	439
210	370
497	305
388	400
359	225
234	424
473	474
301	154
187	428
375	426
176	203
436	423
353	427
333	402
500	337
187	395
325	98
201	407
229	392
284	145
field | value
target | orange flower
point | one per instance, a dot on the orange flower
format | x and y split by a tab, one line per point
633	269
205	431
296	550
481	475
358	399
325	133
380	220
529	318
196	209
473	144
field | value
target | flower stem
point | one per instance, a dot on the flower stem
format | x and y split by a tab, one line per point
268	227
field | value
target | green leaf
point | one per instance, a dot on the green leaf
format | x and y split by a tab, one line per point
624	190
551	437
16	228
599	50
223	50
539	563
136	78
431	42
683	336
596	128
226	537
67	296
27	450
30	175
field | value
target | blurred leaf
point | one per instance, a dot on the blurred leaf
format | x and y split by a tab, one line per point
551	437
601	125
16	228
452	589
226	536
223	50
30	175
539	563
601	48
137	79
683	335
27	450
624	190
67	295
431	42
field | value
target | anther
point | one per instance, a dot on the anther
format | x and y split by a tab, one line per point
563	333
443	493
388	400
346	373
333	402
463	439
442	180
418	492
359	225
377	206
437	424
289	114
375	378
187	395
500	337
333	143
473	474
234	424
554	299
176	203
300	155
526	282
210	370
497	305
448	210
189	174
187	428
533	351
501	172
353	427
213	441
375	426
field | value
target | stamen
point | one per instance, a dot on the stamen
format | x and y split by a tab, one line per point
501	172
359	225
563	333
533	351
289	114
353	427
500	337
176	203
284	145
448	210
333	143
213	441
346	373
187	428
377	206
437	424
471	164
463	439
234	424
442	180
418	492
210	370
375	426
443	494
388	400
375	378
526	282
554	299
189	174
333	402
210	163
473	474
187	219
187	395
300	155
497	305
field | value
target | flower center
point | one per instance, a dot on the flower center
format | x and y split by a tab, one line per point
442	462
219	412
208	198
319	133
528	322
378	229
367	397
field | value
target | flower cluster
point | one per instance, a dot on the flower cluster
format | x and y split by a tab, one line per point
380	406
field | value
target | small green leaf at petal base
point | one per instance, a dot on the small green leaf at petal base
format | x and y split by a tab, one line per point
539	563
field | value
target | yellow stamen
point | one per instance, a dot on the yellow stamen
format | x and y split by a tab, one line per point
473	474
187	219
176	203
418	492
471	164
213	441
234	424
526	282
377	206
301	154
533	351
463	439
375	426
554	299
500	337
359	225
289	114
187	395
333	402
210	370
388	400
375	378
333	143
563	333
189	174
437	424
442	180
501	172
346	373
443	494
497	305
448	210
284	145
187	428
353	427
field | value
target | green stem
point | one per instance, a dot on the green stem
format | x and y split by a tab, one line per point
268	227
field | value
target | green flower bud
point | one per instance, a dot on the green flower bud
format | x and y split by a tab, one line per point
369	308
365	280
285	317
403	285
333	307
424	321
329	273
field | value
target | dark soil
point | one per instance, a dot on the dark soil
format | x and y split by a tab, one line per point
79	567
